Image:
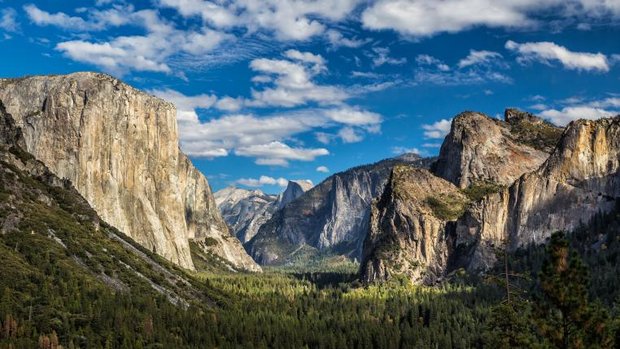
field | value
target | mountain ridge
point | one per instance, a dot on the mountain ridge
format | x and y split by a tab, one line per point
119	147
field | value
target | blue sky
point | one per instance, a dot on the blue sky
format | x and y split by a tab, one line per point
300	89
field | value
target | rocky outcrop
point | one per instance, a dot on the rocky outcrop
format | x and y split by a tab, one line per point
481	149
294	189
407	234
119	148
331	218
580	178
245	211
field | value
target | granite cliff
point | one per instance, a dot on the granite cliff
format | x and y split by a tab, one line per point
516	189
119	148
331	219
245	211
481	149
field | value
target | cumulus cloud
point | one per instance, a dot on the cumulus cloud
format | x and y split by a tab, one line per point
263	180
438	129
97	20
151	51
422	18
567	114
546	52
186	105
322	169
290	82
278	154
245	133
576	108
426	18
478	57
286	19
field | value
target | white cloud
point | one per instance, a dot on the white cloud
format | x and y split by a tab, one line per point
324	138
286	19
97	19
539	106
349	135
438	129
431	61
291	81
545	52
426	18
460	77
186	105
568	114
317	61
210	12
278	154
246	133
403	150
477	68
422	18
354	116
152	51
381	56
478	57
8	20
336	40
263	180
59	19
576	108
322	169
365	75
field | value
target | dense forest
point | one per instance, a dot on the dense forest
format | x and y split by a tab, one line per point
70	281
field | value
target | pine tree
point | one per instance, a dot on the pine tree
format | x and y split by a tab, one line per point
566	319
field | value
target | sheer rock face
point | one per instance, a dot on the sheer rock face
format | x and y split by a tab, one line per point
580	178
245	210
331	217
119	148
294	189
481	149
406	235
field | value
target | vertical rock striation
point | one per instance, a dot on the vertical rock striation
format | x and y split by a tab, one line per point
579	179
331	218
119	148
539	194
245	210
407	234
481	149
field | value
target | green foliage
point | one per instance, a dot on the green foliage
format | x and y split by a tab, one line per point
446	207
541	135
67	279
478	191
510	326
565	317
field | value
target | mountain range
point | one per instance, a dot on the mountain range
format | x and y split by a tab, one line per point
496	183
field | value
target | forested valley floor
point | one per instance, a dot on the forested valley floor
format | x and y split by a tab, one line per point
65	285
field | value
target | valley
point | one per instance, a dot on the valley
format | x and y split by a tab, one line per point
455	251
